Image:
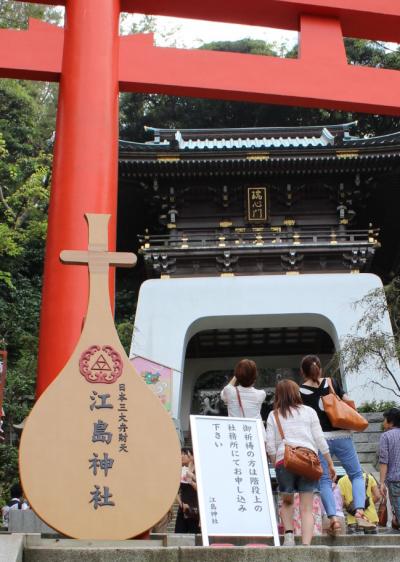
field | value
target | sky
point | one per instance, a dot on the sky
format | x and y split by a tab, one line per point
192	33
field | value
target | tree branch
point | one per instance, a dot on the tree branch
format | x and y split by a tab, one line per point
386	388
6	205
22	217
391	374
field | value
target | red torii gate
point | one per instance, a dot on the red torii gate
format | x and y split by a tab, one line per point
93	63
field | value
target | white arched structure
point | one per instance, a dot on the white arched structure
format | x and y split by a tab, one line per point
171	311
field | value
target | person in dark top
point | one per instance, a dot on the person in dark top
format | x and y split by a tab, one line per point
339	441
389	458
187	519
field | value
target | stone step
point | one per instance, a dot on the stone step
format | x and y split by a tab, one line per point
374	427
346	548
365	437
366	448
235	554
384	537
171	524
367	458
373	416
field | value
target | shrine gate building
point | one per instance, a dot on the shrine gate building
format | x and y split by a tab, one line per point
257	243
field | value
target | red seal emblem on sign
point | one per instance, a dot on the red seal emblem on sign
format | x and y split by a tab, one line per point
100	364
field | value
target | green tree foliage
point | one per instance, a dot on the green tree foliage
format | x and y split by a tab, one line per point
245	46
372	53
25	162
27	120
24	166
377	406
16	14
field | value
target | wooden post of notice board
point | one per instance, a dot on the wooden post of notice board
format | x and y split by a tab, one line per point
233	482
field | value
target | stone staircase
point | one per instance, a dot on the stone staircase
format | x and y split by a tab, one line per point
182	548
171	524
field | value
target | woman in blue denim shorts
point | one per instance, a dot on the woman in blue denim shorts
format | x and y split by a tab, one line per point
301	428
340	444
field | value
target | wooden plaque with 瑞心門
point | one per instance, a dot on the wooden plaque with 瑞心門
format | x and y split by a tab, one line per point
99	454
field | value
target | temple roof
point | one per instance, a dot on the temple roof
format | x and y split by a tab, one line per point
322	149
257	138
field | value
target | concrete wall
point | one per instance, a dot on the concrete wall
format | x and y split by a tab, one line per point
26	521
171	311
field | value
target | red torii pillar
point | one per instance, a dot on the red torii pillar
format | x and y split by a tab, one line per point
84	173
92	71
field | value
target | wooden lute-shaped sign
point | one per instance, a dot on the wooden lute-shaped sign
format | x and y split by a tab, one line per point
99	454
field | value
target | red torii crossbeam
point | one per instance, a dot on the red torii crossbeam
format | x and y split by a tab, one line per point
93	64
372	19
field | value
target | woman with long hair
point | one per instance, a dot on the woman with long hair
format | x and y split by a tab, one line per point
301	428
340	443
240	396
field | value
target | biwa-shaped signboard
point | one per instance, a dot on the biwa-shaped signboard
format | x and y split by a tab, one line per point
99	454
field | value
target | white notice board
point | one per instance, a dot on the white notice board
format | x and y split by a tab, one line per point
233	483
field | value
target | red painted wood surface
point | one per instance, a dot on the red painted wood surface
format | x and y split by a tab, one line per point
93	63
320	77
35	54
367	19
84	172
372	19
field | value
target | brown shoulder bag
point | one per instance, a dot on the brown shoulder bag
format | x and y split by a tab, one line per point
300	460
382	512
240	401
342	413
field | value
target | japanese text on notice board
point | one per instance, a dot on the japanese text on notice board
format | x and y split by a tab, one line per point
233	475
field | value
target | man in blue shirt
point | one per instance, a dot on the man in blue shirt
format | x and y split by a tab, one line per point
389	458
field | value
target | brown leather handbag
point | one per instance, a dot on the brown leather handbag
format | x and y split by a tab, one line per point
300	460
342	413
383	512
